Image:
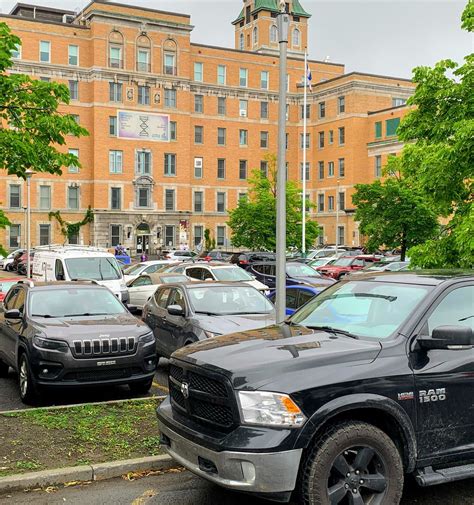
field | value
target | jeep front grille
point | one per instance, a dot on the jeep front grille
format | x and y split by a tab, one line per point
99	347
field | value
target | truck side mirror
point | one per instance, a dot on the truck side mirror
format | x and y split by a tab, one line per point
448	337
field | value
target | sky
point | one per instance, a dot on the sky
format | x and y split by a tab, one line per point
388	37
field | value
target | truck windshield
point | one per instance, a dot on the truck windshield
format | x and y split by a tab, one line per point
367	309
94	268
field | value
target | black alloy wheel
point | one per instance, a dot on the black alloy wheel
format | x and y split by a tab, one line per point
29	393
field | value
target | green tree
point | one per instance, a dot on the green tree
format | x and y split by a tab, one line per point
439	155
32	127
392	213
253	221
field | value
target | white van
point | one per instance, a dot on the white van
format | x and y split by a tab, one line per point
70	262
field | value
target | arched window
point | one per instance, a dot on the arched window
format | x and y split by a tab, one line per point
241	41
143	54
116	49
170	57
273	33
296	37
255	36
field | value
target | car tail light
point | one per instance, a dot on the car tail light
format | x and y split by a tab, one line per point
243	262
207	258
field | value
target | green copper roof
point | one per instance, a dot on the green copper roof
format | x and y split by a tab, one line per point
298	10
272	5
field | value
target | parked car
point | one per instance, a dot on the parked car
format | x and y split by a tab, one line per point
296	273
6	263
215	255
370	380
343	266
181	255
6	284
383	266
146	267
142	288
296	296
217	272
180	314
319	262
245	259
72	334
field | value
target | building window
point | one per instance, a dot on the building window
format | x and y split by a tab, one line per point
243	137
220	202
221	75
15	236
273	33
305	142
15	196
170	98
321	203
170	164
321	236
115	91
144	95
242	197
342	135
73	197
169	64
342	169
143	163
45	197
321	140
287	111
44	234
264	140
243	108
330	203
16	52
198	168
241	42
198	104
173	131
321	169
45	51
378	130
264	168
198	199
169	199
143	60
308	111
115	233
296	37
198	134
391	126
331	137
341	104
243	77
264	80
73	168
220	236
143	197
113	125
198	235
115	56
221	105
341	239
331	169
74	90
198	71
287	140
221	135
306	172
378	166
115	198
221	168
73	55
243	170
322	109
342	200
255	36
169	236
397	102
264	110
115	162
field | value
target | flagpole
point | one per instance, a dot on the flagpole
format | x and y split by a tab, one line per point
303	238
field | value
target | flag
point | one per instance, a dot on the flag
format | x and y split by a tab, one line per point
309	77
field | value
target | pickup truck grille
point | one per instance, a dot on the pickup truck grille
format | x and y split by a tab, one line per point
206	400
103	347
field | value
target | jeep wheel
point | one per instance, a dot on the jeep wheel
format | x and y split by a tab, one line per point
353	463
28	389
141	387
3	369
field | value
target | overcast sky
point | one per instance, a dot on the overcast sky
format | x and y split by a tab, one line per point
378	36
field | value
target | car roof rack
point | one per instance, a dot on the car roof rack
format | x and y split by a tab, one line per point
69	247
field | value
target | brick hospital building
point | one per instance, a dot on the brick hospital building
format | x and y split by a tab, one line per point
177	127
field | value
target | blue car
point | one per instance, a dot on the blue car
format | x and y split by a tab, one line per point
297	296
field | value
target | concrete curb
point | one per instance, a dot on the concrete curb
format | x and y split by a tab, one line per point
99	471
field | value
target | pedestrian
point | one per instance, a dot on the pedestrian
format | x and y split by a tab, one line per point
143	257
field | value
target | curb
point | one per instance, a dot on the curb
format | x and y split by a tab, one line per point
84	473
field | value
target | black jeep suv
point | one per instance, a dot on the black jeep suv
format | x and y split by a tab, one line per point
370	380
72	334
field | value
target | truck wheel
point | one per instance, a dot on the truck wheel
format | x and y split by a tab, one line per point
141	387
352	463
28	388
3	369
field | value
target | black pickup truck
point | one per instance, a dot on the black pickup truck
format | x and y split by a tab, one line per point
371	380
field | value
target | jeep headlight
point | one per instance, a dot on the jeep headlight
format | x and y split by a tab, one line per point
270	409
147	338
49	344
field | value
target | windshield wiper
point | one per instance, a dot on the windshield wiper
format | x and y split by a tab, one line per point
87	314
335	331
207	313
42	315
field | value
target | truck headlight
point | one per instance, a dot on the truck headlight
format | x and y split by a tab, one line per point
271	409
50	345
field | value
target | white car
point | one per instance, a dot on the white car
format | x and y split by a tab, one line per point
146	267
181	255
219	272
143	287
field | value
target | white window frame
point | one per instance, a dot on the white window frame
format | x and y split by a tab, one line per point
69	55
221	78
198	71
41	51
243	77
73	169
115	161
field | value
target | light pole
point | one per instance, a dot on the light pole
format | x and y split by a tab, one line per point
23	234
283	22
28	174
337	216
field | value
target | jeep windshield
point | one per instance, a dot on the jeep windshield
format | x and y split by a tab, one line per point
366	309
95	268
74	302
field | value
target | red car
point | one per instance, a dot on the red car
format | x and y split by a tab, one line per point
5	285
345	265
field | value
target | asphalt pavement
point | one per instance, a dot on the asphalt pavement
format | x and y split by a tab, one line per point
186	489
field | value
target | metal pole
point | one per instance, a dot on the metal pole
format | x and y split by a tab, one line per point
305	80
337	216
283	22
25	225
28	226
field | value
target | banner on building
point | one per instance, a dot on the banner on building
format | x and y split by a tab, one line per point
134	125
